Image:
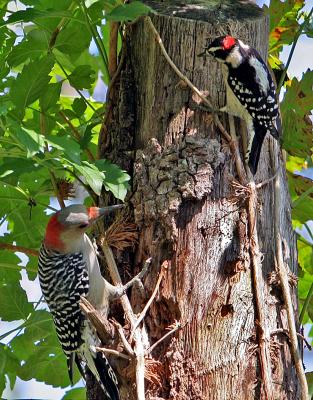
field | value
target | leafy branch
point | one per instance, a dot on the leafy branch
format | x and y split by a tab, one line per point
301	28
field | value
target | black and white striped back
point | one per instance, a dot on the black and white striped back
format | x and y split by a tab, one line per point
64	279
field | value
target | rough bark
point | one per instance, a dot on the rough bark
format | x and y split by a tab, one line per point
187	213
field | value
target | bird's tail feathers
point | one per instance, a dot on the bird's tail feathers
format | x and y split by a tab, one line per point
101	370
275	132
108	380
256	147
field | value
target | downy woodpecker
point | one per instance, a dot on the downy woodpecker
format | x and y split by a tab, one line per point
250	92
69	269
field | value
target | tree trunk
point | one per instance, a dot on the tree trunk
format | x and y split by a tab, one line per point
189	216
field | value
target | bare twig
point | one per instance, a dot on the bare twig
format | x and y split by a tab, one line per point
172	330
102	326
139	276
286	332
294	43
144	311
265	358
120	331
184	78
138	347
267	181
113	352
283	276
14	248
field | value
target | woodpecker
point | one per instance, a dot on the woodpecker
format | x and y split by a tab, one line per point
250	92
68	268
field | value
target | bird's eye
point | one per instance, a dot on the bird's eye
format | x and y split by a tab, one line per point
82	226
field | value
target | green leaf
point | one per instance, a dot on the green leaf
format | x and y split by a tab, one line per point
284	23
77	394
302	196
9	269
305	256
30	140
116	180
93	177
309	378
128	12
31	83
50	97
74	39
34	46
13	303
46	364
39	348
22	16
38	328
82	77
79	106
71	149
9	365
295	108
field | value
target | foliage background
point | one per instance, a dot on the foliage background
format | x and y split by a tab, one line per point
48	140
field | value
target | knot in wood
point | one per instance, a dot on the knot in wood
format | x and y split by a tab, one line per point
165	177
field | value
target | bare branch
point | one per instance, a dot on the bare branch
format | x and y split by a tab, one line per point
173	328
283	277
113	352
25	250
144	311
102	325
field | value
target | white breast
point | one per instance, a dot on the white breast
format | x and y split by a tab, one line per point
99	288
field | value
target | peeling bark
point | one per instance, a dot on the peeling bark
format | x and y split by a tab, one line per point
188	215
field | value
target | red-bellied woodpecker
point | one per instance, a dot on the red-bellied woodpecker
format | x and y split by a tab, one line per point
69	269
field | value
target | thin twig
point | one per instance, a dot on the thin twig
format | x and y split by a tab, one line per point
177	326
265	359
286	332
102	325
138	347
14	248
96	37
76	134
148	304
294	43
120	331
113	352
139	276
267	181
283	276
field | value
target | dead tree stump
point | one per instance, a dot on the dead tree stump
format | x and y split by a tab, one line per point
187	212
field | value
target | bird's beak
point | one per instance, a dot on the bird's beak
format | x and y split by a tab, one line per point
96	213
107	210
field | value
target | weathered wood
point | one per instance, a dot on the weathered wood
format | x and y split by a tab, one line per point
185	208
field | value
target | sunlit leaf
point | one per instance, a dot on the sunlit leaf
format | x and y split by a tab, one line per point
82	77
50	96
30	85
13	303
116	180
9	365
77	394
128	12
295	108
